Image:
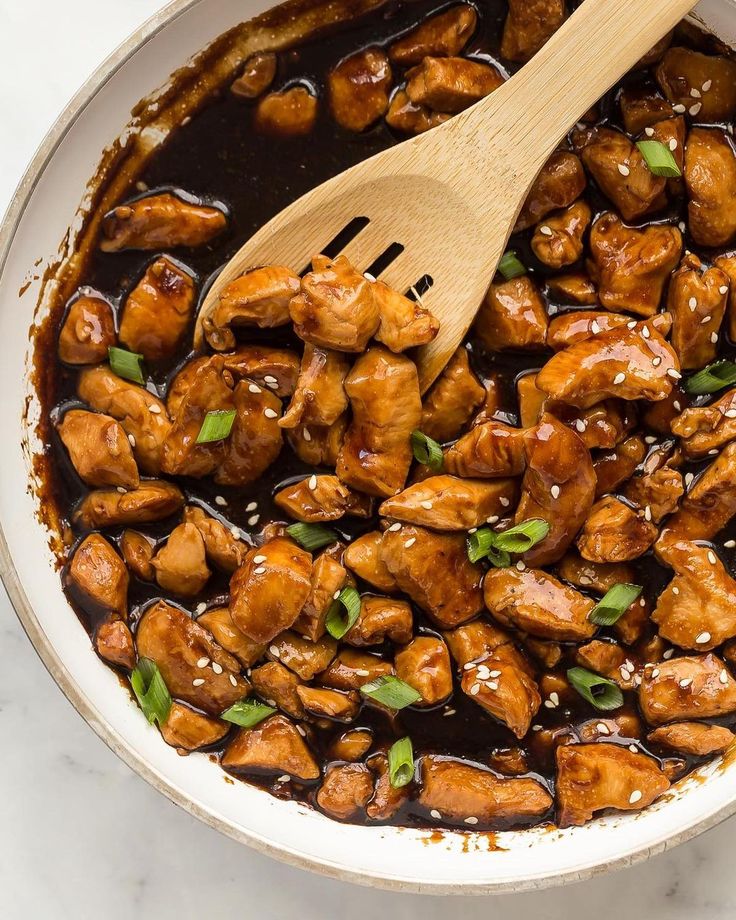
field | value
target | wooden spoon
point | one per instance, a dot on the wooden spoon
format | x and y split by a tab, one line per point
450	197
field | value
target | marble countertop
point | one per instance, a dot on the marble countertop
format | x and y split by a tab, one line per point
81	836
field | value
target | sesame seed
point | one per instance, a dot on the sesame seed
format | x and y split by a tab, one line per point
649	132
675	590
647	513
650	439
449	712
468	666
270	413
473	530
252	521
619	378
634	749
471	820
679	108
131	439
251	506
217	668
121	490
546	231
603	728
254	388
729	544
394	527
707	85
520	566
301	731
312	484
274	650
676	405
656	361
233	680
712	557
689	478
284	779
259	559
368	276
555	698
673	144
410	542
723	289
155	409
483	671
623	169
671	372
435	814
336	594
713	452
306	435
634	797
427	505
585	580
685	683
197	682
683	226
695	93
580	425
694	109
203	662
219	500
493	519
730	413
723	676
555	491
537	728
475	690
631	325
668	654
504	501
645	332
692	303
549	704
705	320
625	673
655	673
259	570
235	531
594	327
270	380
362	672
494	674
714	338
200	608
703	638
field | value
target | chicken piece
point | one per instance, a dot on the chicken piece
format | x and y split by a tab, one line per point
114	642
328	579
693	738
188	730
560	182
358	87
490	450
325	703
138	551
345	791
424	664
559	240
578	325
710	176
434	571
607	659
711	502
601	426
558	487
181	567
614	532
403	115
529	24
363	557
707	428
322	498
384	395
99	449
381	618
626	363
595	776
727	264
278	686
177	644
405	323
352	745
622	174
387	799
318	445
443	35
258	74
289	113
221	547
158	310
451	84
697	300
336	307
659	491
696	687
512	315
509	761
87	332
258	298
255	440
631	266
270	588
160	221
575	287
449	503
97	576
273	746
531	402
641	108
617	465
537	603
704	84
504	690
154	500
274	368
142	415
319	397
350	670
452	399
474	641
302	656
459	791
548	654
219	622
594	576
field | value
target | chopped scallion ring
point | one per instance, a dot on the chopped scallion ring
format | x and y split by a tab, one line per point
126	364
390	691
247	713
216	426
312	536
510	266
597	690
151	690
400	763
521	537
659	159
480	543
337	624
427	451
712	378
614	604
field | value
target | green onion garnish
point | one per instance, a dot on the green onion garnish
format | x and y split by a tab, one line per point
659	159
510	266
337	624
151	691
247	713
599	692
614	604
712	378
390	691
400	763
480	543
521	537
126	364
427	451
216	426
498	558
312	536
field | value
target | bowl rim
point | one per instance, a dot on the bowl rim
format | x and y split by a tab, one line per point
102	728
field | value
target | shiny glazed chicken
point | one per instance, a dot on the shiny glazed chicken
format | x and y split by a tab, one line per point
507	603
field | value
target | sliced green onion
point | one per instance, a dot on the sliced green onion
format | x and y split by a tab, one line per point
521	537
312	536
390	691
216	426
614	604
480	543
498	558
126	364
510	266
400	763
151	691
247	713
427	451
597	690
337	624
659	159
712	378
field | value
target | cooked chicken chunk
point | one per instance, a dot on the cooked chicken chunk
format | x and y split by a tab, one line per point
322	498
594	576
319	397
711	502
531	402
490	450
641	108
328	579
512	315
138	551
608	659
614	532
451	84
99	449
559	240
659	490
404	115
631	266
277	685
302	656
270	588
424	664
181	567
98	577
538	603
258	74
351	669
504	690
449	503
697	300
219	622
528	26
329	704
188	730
359	88
290	113
474	641
560	182
363	557
573	288
707	428
616	466
221	547
114	642
387	799
88	331
154	500
445	34
352	745
381	618
434	571
162	221
601	426
274	746
405	323
693	738
345	790
697	687
573	327
710	176
712	78
595	776
318	445
274	368
255	440
176	643
452	399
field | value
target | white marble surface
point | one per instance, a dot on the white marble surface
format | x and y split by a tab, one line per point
83	837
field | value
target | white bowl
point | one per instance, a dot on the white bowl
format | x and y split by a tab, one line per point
43	209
